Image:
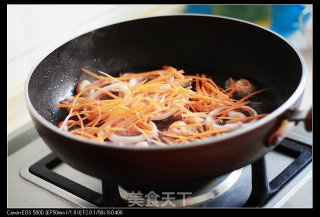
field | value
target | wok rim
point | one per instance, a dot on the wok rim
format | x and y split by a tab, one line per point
210	141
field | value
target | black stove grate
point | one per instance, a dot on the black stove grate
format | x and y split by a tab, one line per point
262	190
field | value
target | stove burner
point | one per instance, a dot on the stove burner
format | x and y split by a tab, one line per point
248	187
215	188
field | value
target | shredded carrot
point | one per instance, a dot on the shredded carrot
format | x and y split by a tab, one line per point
143	100
233	87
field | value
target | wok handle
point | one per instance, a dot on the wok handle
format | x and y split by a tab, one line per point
304	115
285	127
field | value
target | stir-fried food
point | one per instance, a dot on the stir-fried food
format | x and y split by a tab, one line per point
159	107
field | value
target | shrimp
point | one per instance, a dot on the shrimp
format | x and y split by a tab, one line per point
193	119
178	129
242	87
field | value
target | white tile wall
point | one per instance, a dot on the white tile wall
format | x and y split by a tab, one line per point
35	30
30	26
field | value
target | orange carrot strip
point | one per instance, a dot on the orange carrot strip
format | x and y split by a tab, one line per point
160	91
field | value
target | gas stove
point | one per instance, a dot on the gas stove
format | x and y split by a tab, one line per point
37	178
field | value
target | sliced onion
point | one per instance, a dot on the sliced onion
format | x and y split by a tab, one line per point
163	116
251	111
217	110
127	139
131	139
231	126
113	88
142	144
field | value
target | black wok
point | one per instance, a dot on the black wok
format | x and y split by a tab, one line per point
217	46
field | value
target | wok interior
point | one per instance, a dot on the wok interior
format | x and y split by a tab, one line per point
217	47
